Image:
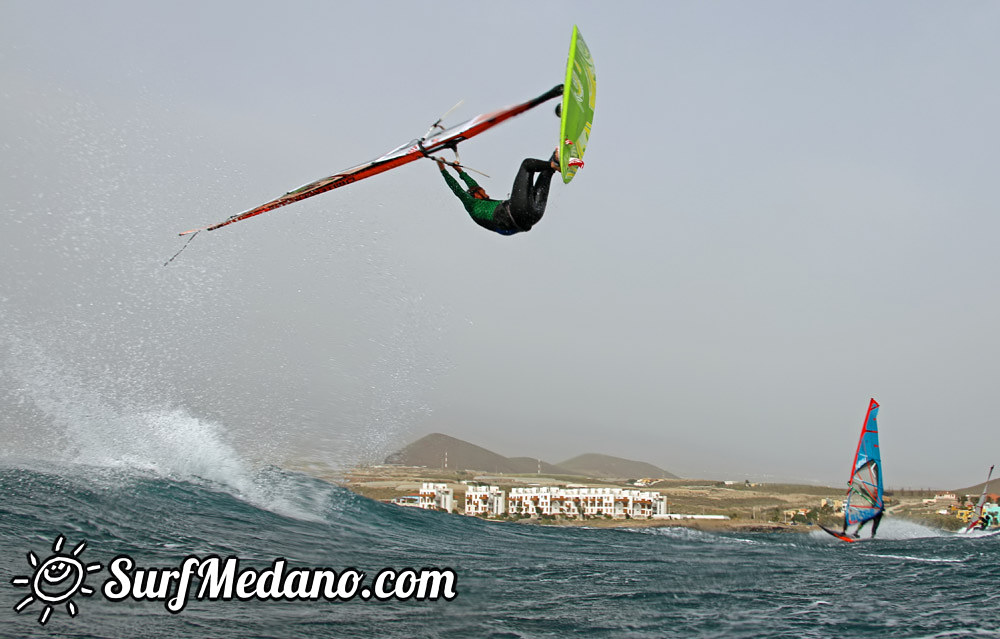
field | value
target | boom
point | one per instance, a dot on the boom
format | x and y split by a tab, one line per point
403	154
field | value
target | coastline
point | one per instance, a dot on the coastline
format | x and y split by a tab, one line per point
749	508
704	525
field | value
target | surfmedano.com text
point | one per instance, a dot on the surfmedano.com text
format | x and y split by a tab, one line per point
221	579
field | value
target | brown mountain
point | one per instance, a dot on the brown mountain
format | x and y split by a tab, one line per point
529	465
442	451
608	467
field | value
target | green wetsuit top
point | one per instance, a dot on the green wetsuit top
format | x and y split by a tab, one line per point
490	214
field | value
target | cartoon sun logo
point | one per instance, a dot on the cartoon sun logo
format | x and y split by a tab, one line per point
56	580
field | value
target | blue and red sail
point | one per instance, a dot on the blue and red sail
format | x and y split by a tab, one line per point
865	494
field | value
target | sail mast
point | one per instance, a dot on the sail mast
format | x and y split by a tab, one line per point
980	503
865	492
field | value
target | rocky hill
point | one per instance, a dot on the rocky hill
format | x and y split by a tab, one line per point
608	467
975	491
529	465
443	451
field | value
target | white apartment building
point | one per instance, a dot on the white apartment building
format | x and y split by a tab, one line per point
617	503
436	496
534	500
485	500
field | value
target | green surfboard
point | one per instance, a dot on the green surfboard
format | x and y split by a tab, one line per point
579	93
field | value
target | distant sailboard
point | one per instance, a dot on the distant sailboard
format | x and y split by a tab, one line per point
977	515
436	139
577	109
864	494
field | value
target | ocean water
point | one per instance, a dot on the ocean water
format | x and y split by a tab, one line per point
511	580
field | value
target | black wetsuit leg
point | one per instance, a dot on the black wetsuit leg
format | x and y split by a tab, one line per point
530	193
875	523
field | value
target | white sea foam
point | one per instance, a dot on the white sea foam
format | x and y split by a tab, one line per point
89	430
892	529
929	560
978	534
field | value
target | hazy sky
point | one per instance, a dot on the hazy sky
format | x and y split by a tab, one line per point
787	208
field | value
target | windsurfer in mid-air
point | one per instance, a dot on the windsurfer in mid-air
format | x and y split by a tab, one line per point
527	200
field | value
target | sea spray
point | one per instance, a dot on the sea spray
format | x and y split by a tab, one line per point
71	424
